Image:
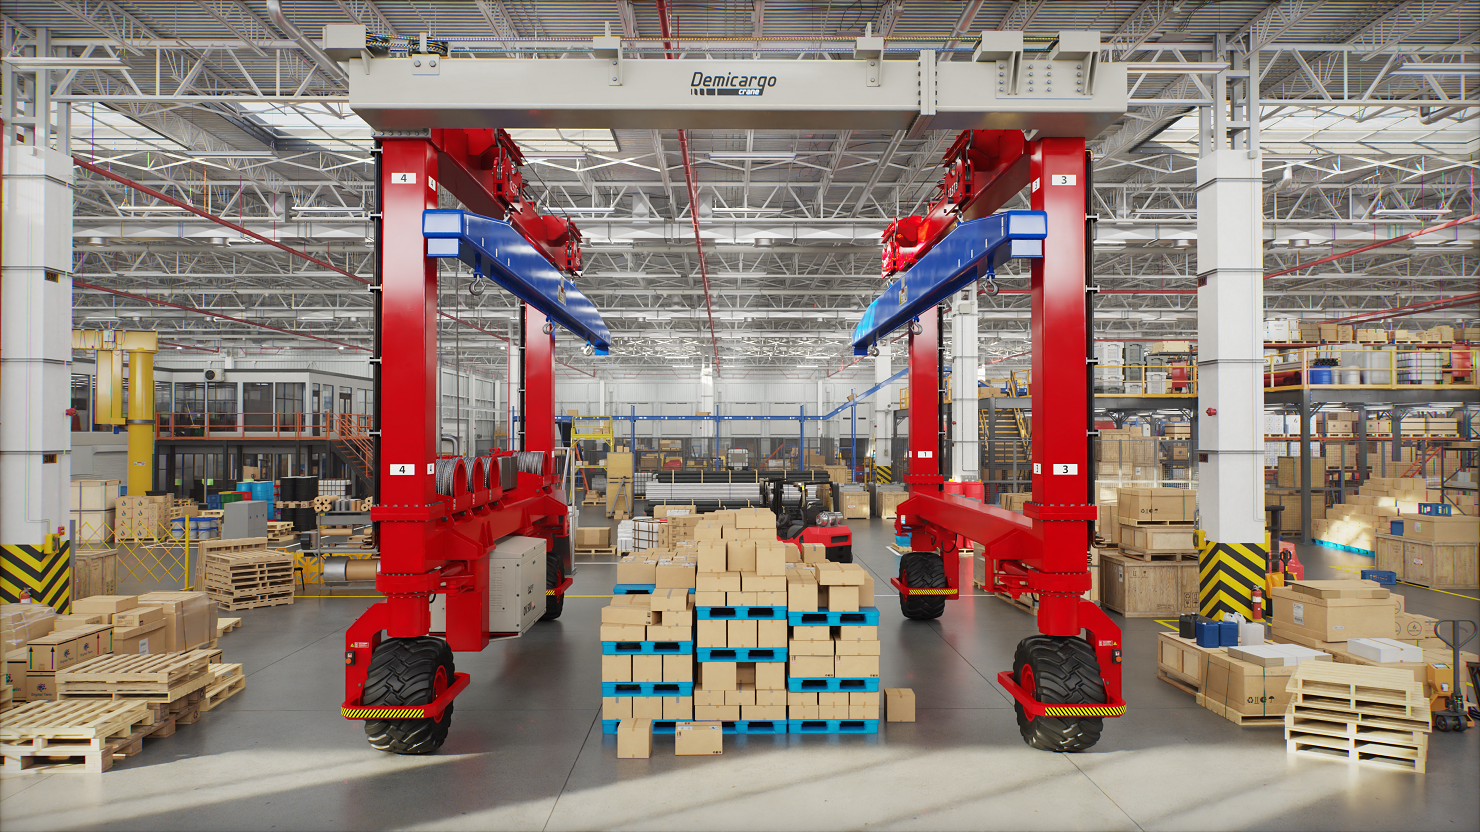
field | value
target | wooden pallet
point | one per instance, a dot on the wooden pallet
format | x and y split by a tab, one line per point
161	677
596	551
1359	691
226	625
226	681
274	600
69	735
1143	555
1380	754
593	499
1180	684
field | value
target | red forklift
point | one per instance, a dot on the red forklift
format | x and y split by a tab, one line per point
800	519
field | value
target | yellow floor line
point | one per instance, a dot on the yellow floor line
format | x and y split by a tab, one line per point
1170	625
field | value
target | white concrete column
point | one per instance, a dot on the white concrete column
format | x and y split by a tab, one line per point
1230	259
36	353
882	429
966	448
706	401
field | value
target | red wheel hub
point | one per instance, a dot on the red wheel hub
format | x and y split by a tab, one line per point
439	687
1025	680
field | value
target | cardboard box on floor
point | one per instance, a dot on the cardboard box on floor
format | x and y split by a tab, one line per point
1335	610
698	739
634	739
899	705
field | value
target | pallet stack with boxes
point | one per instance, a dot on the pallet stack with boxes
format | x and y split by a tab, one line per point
143	518
832	678
647	659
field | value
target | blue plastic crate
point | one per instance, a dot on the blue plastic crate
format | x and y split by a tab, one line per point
1395	527
740	613
647	688
647	648
832	726
830	685
1436	509
862	618
1386	577
742	654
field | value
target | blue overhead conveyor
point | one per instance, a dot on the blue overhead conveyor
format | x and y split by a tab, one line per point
974	249
496	250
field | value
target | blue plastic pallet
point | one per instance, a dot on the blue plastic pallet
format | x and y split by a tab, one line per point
647	688
829	685
1386	577
647	648
660	726
742	654
832	726
862	618
638	589
742	726
740	613
1343	547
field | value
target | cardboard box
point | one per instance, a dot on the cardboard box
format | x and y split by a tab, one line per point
647	668
137	616
899	705
623	632
820	647
1440	529
626	614
856	648
647	707
1244	688
801	594
67	622
105	604
637	569
870	633
718	676
64	648
711	634
770	634
145	638
678	669
694	739
41	686
840	598
593	537
1410	626
664	632
17	669
742	634
634	739
812	667
675	575
1384	650
1332	619
616	668
190	617
770	676
856	667
678	707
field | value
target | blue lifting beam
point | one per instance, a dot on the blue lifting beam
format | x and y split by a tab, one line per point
974	249
496	250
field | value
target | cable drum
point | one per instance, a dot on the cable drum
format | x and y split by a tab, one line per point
446	475
531	462
475	473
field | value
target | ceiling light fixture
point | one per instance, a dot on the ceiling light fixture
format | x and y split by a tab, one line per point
229	154
1420	68
753	156
1412	212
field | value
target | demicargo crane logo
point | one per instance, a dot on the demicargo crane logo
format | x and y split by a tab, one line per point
727	84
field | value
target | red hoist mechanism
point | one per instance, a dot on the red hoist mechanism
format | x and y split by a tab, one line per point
1068	678
439	518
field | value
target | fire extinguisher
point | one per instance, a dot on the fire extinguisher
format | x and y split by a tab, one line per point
1258	604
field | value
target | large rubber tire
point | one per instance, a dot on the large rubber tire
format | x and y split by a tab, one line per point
922	570
554	604
406	671
1063	671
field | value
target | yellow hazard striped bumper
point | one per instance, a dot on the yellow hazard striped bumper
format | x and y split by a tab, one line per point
1084	710
933	592
404	712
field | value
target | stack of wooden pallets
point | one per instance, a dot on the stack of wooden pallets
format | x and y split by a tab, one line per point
1370	715
171	684
249	579
73	735
280	531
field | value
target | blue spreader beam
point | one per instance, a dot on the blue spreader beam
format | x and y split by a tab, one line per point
496	250
974	249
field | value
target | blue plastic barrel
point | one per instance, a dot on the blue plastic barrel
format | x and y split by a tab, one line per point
1320	375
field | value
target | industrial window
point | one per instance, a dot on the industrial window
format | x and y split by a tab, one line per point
257	405
82	401
221	405
290	406
189	408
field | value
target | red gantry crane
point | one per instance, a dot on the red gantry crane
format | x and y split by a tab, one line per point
1064	681
441	518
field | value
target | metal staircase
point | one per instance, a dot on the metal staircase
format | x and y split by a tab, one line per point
351	441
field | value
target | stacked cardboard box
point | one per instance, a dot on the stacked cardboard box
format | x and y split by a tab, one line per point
94	504
1380	501
647	661
1156	520
143	518
833	652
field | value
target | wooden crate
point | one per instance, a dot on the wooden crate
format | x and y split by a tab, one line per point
854	505
1389	554
1147	589
1441	565
94	572
1158	539
81	736
889	501
1181	663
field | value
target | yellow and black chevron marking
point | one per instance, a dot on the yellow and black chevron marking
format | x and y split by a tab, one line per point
932	592
48	575
404	712
1083	710
883	473
1228	574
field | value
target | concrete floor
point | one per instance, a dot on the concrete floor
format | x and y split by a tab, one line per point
526	750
